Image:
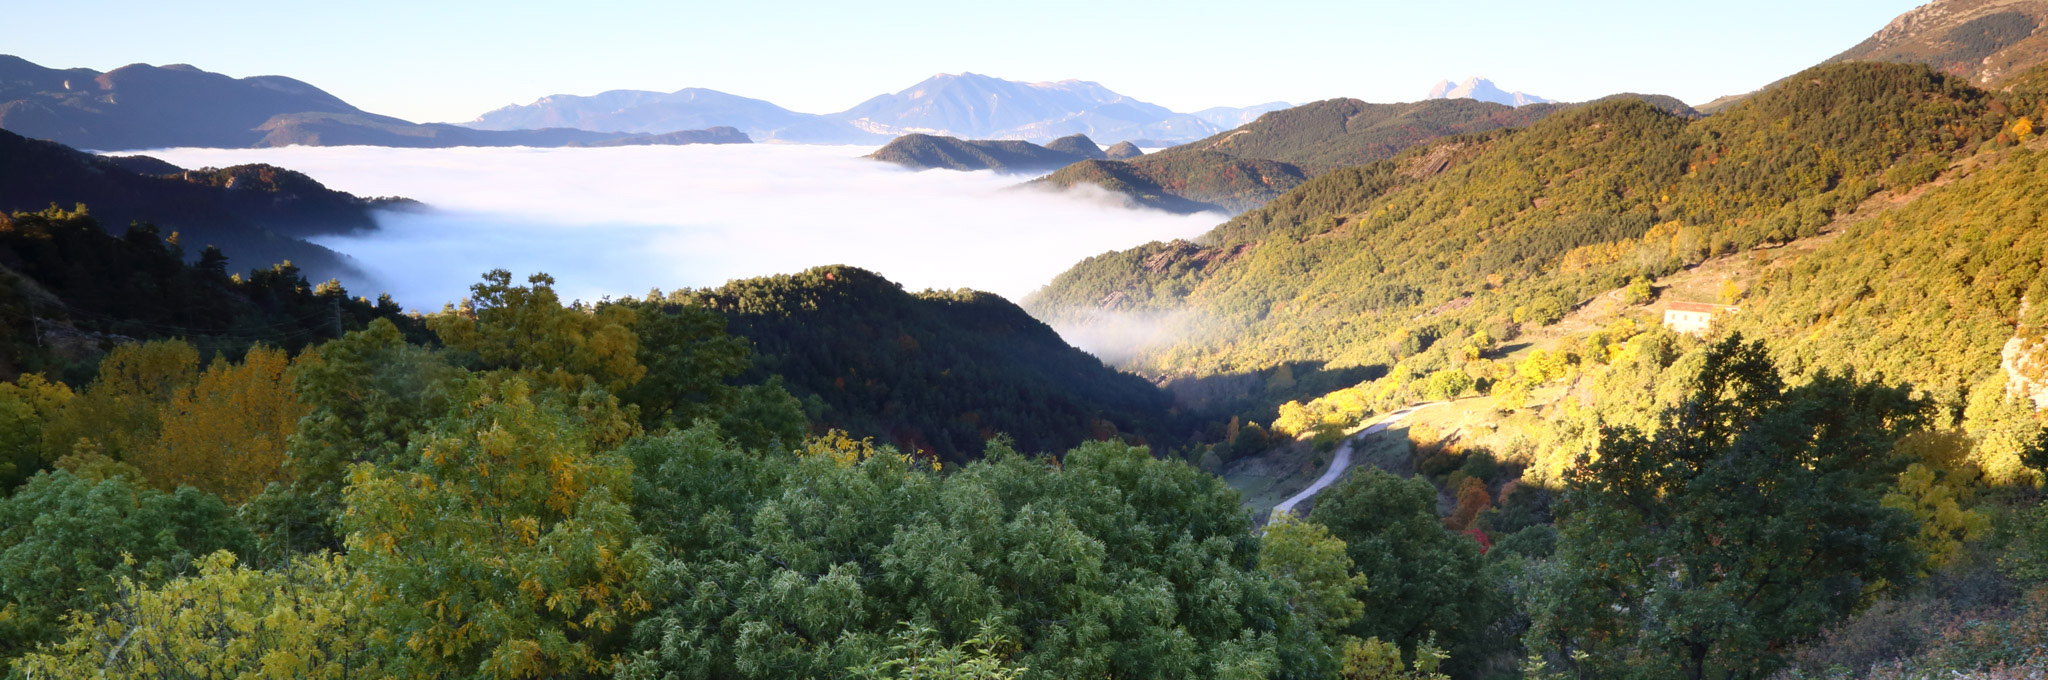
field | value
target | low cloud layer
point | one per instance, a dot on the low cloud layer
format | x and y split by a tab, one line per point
619	221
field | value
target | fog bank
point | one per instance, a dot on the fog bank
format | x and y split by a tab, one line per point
619	221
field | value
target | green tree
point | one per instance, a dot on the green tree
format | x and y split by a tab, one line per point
1751	521
1423	582
1108	564
368	397
66	542
509	550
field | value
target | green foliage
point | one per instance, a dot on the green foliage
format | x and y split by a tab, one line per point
368	397
914	655
1751	521
67	542
1313	565
1422	582
1109	564
509	552
227	621
526	329
1537	219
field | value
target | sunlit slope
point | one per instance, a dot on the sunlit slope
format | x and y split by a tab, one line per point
1493	231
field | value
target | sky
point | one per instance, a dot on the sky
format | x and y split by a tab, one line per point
451	60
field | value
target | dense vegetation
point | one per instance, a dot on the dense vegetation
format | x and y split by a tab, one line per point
938	372
1490	232
69	290
1245	168
1184	182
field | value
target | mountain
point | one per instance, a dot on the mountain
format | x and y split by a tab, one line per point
144	107
713	135
969	105
1482	90
1077	145
1242	169
1123	150
1227	117
1984	41
1510	229
1184	182
927	152
937	371
260	213
686	109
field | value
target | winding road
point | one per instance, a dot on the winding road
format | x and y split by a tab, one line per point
1342	460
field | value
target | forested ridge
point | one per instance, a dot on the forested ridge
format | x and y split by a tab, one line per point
1244	168
1492	231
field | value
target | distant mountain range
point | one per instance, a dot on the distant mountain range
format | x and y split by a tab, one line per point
963	106
145	107
1482	90
689	108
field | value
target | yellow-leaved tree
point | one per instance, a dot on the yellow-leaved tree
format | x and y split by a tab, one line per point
226	433
305	620
120	413
507	551
527	329
25	406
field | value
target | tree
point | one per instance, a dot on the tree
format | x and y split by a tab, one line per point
1108	563
1424	581
528	329
121	412
1447	384
25	406
1322	591
914	655
1639	291
367	398
689	357
304	620
1751	521
507	551
226	433
65	542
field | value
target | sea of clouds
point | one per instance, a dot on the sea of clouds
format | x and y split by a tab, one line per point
620	221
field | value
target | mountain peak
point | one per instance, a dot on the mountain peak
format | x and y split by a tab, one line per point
1484	90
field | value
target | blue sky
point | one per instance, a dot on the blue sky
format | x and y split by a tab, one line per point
432	60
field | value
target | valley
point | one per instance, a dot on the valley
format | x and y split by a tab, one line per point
991	379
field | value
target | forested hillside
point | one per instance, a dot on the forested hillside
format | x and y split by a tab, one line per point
927	152
258	212
1492	232
940	371
1242	169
